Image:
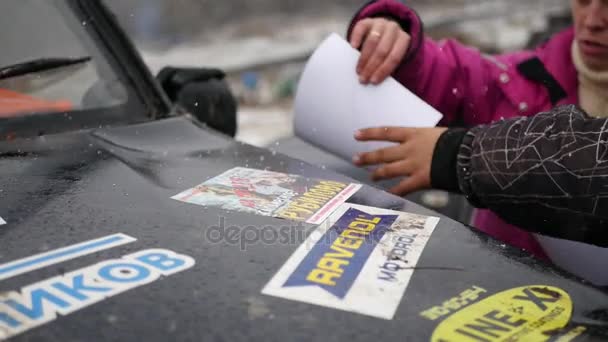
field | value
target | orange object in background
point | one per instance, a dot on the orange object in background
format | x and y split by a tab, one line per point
13	104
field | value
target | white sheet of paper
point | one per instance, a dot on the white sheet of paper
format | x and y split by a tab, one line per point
331	104
586	261
2	222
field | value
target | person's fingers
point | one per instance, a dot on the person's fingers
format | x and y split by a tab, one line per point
381	156
381	52
407	186
359	32
393	60
371	41
397	169
393	134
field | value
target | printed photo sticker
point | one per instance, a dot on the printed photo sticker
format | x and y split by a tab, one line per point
269	193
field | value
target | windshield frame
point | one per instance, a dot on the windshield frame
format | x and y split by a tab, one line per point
146	100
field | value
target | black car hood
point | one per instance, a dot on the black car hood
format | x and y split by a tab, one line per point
64	189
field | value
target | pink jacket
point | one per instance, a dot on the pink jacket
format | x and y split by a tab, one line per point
471	88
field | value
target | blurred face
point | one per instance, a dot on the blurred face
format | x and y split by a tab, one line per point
591	27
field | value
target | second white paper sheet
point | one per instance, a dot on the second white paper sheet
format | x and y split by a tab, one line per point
331	104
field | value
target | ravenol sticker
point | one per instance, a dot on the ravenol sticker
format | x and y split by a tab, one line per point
335	265
529	313
41	302
359	260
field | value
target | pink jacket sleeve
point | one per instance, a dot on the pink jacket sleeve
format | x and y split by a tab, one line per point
457	80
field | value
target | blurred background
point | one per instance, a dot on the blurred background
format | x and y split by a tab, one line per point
262	45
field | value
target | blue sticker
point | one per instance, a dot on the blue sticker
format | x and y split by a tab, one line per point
42	302
336	260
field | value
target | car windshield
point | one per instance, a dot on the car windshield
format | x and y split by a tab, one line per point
50	63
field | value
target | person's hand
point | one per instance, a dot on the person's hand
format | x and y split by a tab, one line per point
411	158
383	46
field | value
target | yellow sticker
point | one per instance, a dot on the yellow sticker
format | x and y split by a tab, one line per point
527	313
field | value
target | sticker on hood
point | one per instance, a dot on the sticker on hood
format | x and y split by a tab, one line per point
42	302
360	260
52	257
271	193
529	313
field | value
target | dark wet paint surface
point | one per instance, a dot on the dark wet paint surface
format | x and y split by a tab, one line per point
65	189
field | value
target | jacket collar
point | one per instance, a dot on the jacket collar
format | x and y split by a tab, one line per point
555	55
